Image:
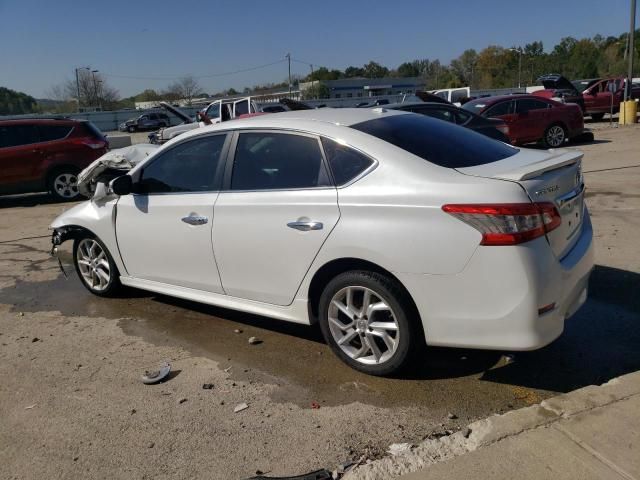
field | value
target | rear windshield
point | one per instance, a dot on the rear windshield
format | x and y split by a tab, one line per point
438	142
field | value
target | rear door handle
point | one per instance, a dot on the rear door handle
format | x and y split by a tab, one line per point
195	220
305	226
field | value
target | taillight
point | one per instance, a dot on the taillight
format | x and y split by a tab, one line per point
508	223
91	142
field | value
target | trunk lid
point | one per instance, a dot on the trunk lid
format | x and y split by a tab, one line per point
553	81
547	176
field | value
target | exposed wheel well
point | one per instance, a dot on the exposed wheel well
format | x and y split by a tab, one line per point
341	265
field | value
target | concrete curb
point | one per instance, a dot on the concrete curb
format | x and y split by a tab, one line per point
497	427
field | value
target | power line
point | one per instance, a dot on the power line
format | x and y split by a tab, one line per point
212	75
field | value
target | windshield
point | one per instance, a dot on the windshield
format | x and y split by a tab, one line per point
436	141
582	85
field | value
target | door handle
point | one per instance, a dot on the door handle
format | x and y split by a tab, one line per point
195	220
305	226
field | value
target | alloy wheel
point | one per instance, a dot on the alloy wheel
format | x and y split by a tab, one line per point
555	136
93	264
65	185
363	325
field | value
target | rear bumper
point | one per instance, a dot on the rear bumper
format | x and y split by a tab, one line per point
493	303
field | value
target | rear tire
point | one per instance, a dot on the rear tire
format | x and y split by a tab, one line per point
369	322
554	136
596	117
95	266
131	129
62	184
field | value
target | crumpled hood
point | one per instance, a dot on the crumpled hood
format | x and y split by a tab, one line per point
121	160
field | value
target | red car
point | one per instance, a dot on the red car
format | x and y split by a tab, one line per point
531	118
39	155
596	96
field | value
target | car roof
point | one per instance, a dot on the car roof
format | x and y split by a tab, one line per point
499	98
39	120
420	104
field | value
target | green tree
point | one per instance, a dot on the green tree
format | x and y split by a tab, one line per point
351	72
375	70
16	103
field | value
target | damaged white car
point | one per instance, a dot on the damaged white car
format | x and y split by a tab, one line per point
392	230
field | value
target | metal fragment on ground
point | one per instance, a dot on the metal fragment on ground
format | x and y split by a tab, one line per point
240	407
323	474
155	376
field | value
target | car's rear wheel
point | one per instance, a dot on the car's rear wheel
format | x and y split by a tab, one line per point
131	129
368	321
95	266
63	184
555	136
596	117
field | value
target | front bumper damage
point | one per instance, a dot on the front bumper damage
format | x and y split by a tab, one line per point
58	237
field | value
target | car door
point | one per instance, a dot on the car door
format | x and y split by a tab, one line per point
597	98
241	107
532	118
20	154
277	209
164	228
213	112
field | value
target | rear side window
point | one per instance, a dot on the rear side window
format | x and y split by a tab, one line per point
53	132
269	161
345	163
438	142
16	135
502	108
191	166
92	129
523	106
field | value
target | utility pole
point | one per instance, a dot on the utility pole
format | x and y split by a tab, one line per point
78	89
288	56
632	29
519	50
95	87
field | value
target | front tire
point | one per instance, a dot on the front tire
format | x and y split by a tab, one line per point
131	129
555	136
369	322
95	266
596	117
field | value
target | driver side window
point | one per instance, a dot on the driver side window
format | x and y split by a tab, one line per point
191	166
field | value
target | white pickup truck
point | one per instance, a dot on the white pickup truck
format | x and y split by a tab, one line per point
216	112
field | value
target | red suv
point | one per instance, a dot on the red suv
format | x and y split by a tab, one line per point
532	119
46	155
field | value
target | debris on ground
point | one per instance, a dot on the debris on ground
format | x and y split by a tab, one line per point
154	376
315	405
237	330
254	341
30	406
240	407
151	445
323	474
466	432
451	416
181	400
399	448
207	386
35	339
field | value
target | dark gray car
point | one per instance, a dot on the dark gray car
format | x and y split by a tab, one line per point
147	121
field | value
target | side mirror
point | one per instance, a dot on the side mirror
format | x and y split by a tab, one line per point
122	185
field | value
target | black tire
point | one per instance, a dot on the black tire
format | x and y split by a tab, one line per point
596	117
131	129
555	136
111	287
62	184
409	336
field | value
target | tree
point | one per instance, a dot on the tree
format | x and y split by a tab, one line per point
93	89
317	90
186	88
375	70
15	103
351	72
324	74
408	69
463	67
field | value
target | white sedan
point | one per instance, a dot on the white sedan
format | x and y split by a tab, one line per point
392	230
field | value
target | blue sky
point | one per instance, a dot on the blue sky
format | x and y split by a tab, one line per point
43	41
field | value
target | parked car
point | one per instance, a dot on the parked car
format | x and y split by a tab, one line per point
531	118
39	155
599	96
491	127
215	112
147	121
390	229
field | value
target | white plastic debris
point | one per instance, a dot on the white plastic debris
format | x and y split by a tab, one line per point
240	407
154	376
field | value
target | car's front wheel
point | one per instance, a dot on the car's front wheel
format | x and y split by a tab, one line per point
368	321
131	129
95	266
555	136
